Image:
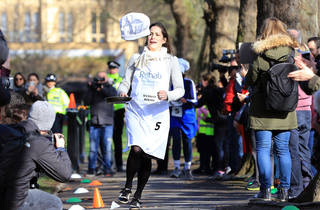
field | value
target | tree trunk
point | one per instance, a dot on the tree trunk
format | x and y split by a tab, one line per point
222	18
247	21
202	63
182	26
297	14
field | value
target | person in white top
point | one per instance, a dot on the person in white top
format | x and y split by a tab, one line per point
149	75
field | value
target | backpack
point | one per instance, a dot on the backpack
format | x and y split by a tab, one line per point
281	93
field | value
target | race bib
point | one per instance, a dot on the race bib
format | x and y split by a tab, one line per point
148	97
176	111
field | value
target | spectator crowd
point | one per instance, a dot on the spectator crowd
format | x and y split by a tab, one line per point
225	115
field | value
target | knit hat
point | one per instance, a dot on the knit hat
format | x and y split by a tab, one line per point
134	26
184	65
43	115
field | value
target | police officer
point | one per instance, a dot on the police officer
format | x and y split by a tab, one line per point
59	99
113	69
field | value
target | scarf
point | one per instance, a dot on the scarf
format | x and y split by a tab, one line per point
147	56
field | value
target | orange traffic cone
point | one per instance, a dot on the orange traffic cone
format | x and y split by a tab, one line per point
97	200
72	103
95	183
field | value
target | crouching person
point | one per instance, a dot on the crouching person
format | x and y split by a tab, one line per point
41	151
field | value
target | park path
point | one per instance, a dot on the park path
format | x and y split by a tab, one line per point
163	192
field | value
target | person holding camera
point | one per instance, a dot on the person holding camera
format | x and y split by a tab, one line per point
59	99
119	109
101	125
33	90
40	152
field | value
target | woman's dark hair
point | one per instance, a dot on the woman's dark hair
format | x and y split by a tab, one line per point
33	74
19	74
164	33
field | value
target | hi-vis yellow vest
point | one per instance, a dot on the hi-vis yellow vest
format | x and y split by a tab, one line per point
59	99
206	127
116	83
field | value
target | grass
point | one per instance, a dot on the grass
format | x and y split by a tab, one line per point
49	185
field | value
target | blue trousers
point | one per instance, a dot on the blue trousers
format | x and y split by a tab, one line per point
281	145
101	136
300	153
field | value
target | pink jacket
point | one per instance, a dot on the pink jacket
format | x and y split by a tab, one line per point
304	101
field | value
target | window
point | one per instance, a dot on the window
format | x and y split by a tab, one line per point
35	27
61	26
94	22
4	23
27	27
98	24
70	27
94	25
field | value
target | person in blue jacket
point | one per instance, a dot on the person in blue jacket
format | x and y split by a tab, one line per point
183	124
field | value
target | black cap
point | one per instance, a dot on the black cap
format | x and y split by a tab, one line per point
51	77
4	50
113	64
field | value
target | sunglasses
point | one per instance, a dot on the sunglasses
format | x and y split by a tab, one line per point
16	79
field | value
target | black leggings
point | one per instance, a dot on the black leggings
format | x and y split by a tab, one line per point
138	162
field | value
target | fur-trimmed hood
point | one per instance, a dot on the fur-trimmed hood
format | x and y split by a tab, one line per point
274	41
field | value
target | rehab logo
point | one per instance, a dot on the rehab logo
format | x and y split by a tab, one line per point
149	75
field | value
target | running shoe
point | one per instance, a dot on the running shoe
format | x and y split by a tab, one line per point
135	204
274	190
227	170
187	174
175	173
217	175
124	195
90	173
253	186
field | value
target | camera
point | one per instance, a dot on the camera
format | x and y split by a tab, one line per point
221	68
5	80
227	56
306	55
97	82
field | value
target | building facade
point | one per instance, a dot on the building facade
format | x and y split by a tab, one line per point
64	28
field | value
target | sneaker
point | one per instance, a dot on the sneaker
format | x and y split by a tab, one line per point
253	186
227	170
217	175
274	190
187	174
124	195
175	173
135	203
90	173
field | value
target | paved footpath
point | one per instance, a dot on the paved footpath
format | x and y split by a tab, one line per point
163	192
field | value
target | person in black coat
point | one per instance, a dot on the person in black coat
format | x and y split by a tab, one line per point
101	125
